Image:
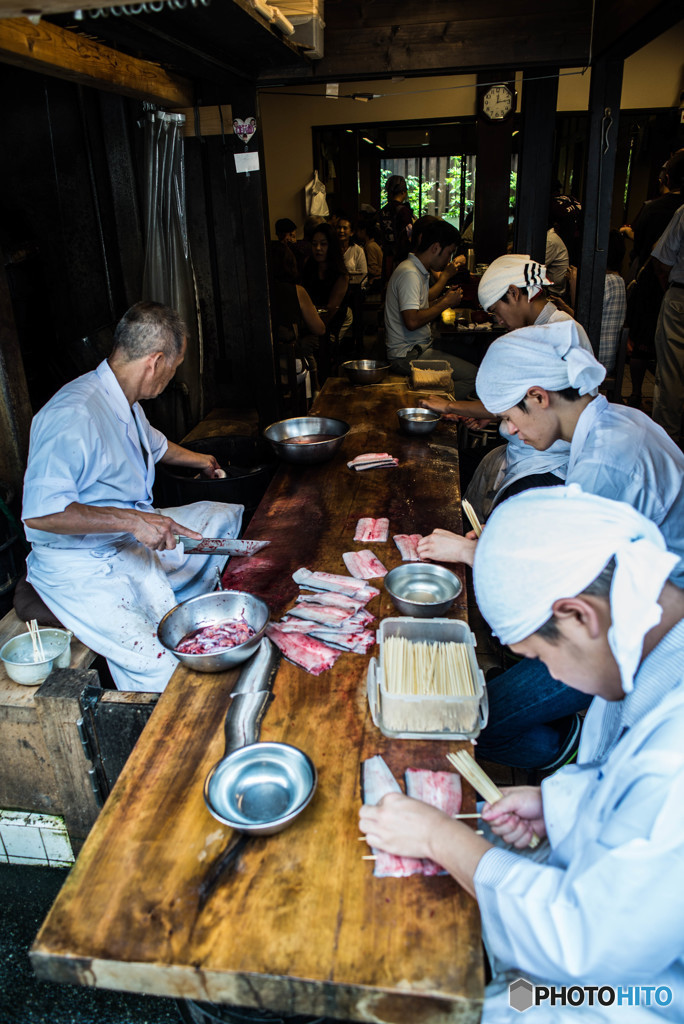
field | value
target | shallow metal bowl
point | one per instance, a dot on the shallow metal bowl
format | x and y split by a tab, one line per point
365	371
417	421
283	438
17	656
209	610
260	788
422	589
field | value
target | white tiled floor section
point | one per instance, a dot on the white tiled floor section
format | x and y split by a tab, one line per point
30	838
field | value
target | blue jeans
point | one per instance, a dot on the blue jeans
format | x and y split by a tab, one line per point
524	703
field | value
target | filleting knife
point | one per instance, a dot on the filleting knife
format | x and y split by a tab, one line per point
220	546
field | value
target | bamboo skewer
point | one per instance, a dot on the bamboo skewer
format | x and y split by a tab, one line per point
468	767
37	643
472	516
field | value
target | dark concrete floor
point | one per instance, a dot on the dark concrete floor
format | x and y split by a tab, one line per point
26	894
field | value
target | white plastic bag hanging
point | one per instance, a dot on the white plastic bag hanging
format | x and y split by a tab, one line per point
316	203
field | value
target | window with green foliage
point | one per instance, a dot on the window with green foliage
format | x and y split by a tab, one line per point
441	186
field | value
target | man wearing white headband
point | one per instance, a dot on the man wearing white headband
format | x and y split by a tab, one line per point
585	588
542	384
512	289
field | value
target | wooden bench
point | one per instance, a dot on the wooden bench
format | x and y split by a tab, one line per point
65	741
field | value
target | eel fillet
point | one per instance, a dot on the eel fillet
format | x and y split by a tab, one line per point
439	789
372	531
331	581
332	600
377	782
359	642
372	460
326	615
305	651
364	565
406	542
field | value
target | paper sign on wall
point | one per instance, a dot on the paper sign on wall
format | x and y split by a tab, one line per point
246	162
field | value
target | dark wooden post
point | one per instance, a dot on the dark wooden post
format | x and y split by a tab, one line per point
249	215
604	111
535	161
15	407
492	181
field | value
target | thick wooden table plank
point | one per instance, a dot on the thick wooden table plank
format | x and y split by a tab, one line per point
298	924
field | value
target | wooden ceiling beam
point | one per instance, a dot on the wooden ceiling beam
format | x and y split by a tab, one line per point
51	50
24	8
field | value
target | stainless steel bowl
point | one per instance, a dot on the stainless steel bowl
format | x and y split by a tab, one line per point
417	421
365	371
283	438
209	610
17	655
260	788
422	589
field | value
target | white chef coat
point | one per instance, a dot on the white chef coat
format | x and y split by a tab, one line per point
355	262
89	446
620	453
606	905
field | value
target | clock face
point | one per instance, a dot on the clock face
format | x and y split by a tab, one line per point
497	102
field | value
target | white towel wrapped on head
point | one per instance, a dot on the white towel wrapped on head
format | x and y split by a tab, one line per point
551	543
549	357
519	270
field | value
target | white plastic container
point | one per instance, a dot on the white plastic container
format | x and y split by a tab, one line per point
440	718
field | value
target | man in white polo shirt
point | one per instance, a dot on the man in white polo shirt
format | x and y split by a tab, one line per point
412	303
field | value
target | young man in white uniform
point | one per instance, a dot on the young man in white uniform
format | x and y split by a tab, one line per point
543	384
512	290
412	302
582	583
103	559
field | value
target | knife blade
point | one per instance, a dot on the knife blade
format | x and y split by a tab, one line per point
221	546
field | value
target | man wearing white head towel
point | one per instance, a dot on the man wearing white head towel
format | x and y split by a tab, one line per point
512	289
542	384
601	903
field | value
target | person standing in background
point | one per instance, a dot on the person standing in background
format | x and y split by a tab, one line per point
668	396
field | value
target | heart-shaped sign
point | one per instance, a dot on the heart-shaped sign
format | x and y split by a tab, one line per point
244	129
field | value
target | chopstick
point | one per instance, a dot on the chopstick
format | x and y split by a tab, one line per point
468	767
470	512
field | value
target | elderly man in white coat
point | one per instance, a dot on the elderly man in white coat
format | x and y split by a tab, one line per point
104	561
582	583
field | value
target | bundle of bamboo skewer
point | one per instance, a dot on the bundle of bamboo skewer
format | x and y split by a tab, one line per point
34	633
472	516
468	767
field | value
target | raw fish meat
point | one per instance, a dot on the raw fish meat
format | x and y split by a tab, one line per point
331	581
220	636
441	790
289	625
359	642
350	625
361	618
372	461
372	531
377	782
406	542
333	600
364	565
310	654
323	614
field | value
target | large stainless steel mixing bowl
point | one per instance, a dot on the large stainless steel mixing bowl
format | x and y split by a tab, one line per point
283	438
210	610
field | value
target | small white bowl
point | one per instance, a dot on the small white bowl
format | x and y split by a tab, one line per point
17	656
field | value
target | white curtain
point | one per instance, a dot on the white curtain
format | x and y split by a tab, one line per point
168	274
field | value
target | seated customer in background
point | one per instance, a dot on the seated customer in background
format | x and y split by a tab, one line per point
368	234
581	583
614	302
412	304
542	384
326	278
293	314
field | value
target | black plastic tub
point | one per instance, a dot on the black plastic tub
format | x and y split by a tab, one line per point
249	464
